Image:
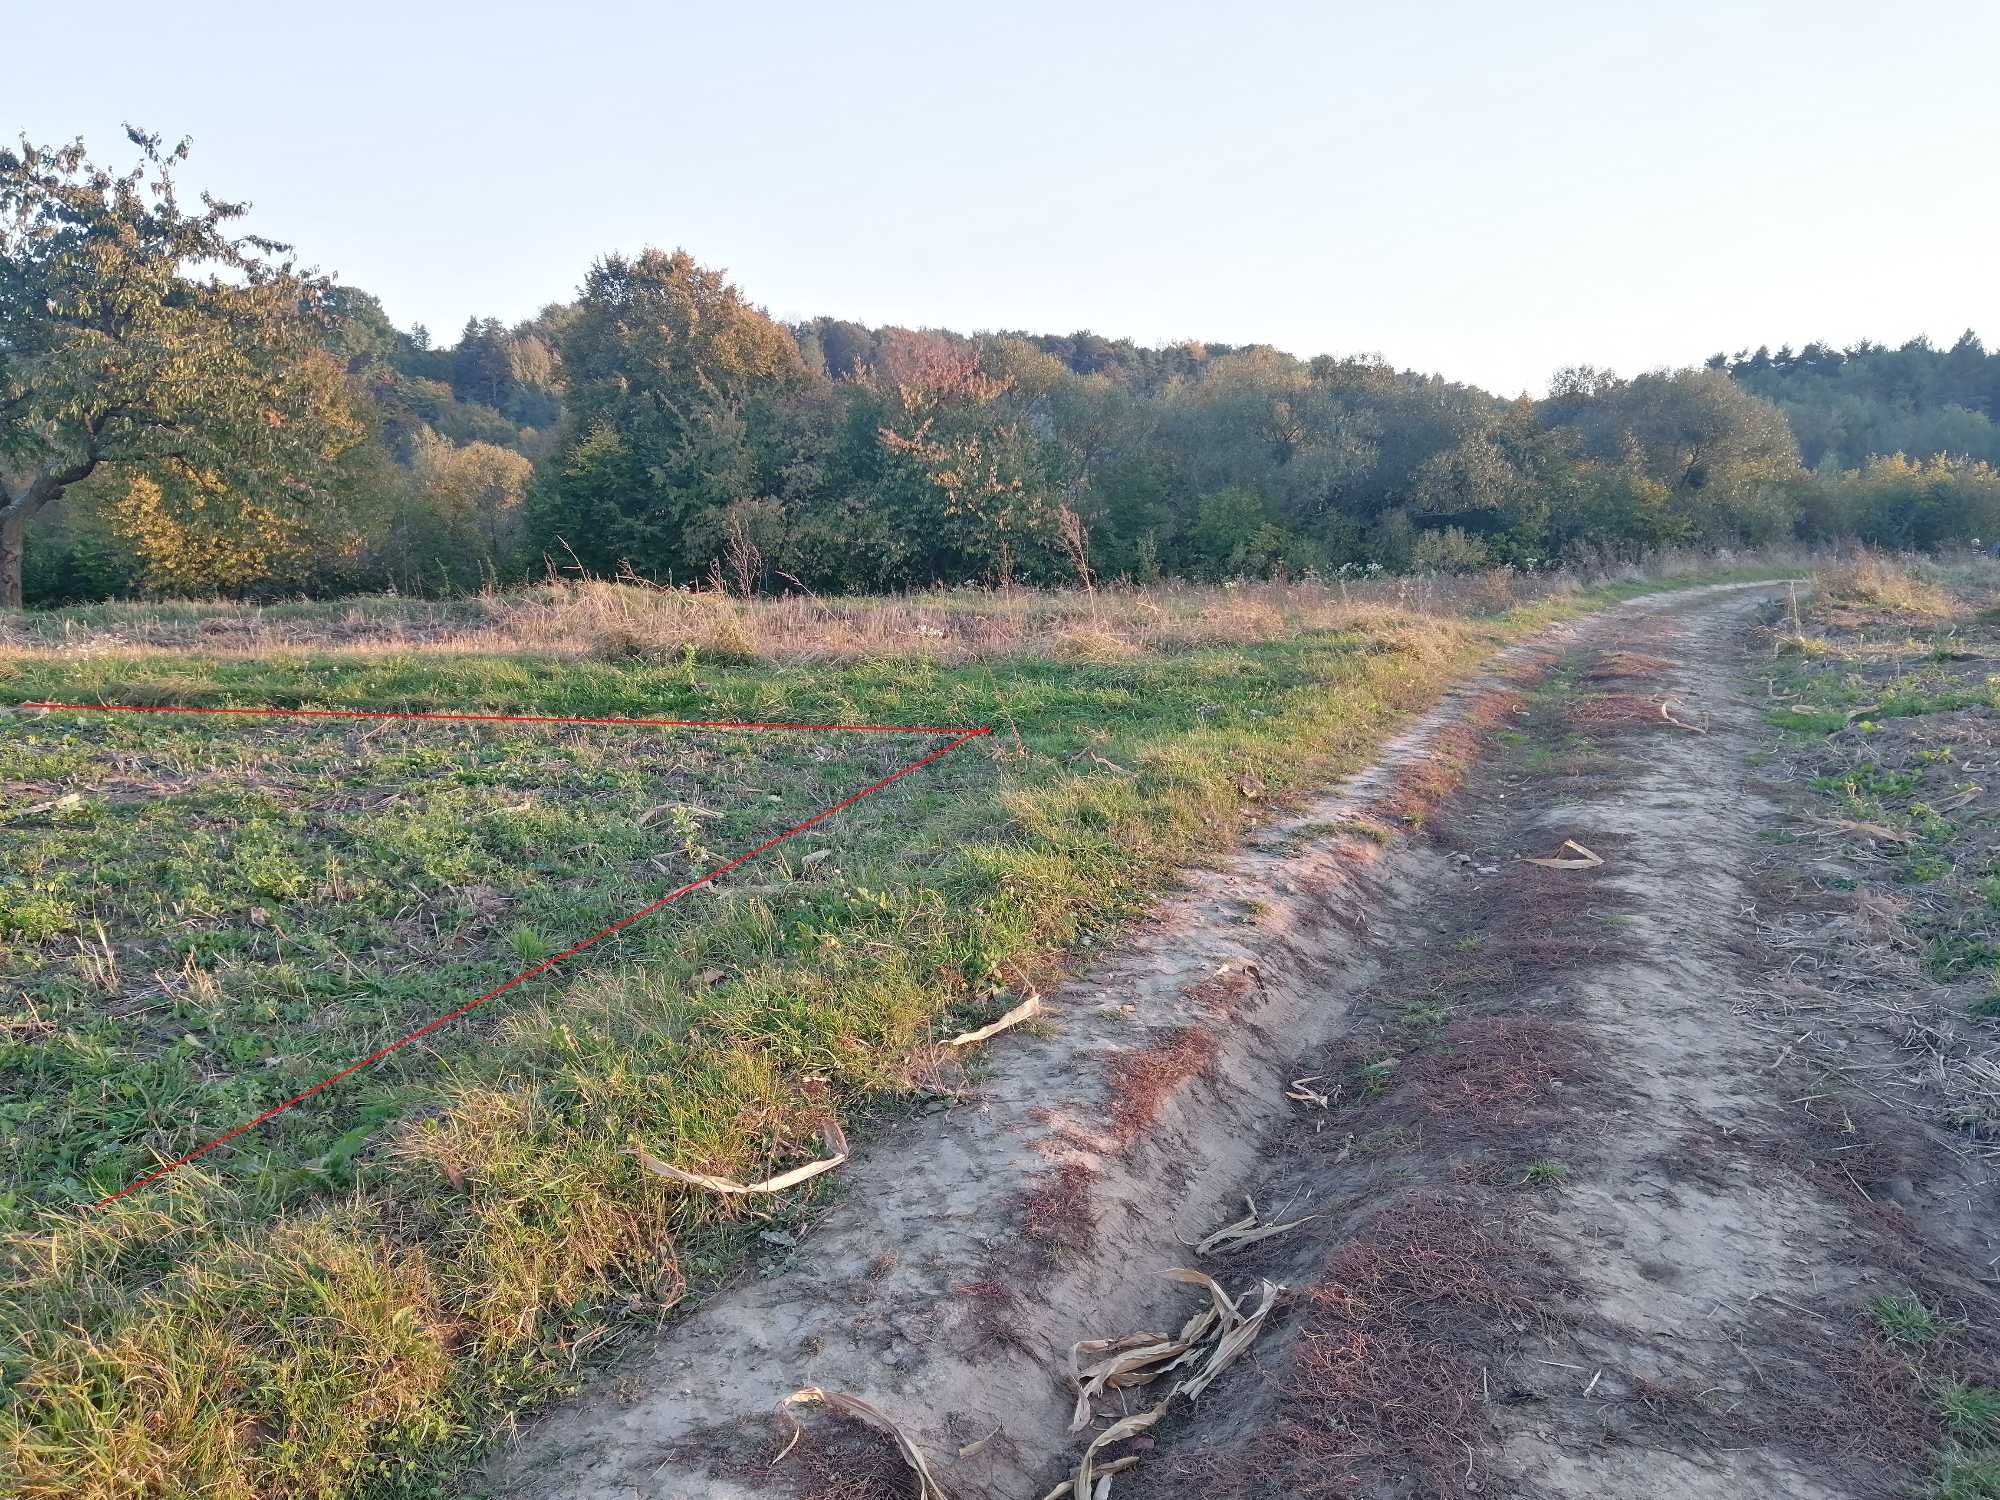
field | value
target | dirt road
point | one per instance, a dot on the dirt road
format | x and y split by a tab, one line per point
1574	1211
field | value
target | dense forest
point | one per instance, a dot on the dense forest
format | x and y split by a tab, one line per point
183	411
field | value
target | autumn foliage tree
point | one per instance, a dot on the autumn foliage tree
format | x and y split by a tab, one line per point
142	336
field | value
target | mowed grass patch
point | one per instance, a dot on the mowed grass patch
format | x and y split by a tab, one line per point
350	1299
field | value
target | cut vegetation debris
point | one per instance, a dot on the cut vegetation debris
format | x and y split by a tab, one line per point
1579	858
873	1416
1210	1341
1027	1010
831	1135
1245	1232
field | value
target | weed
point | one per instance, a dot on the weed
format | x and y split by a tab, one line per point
1376	1076
1953	955
1056	1210
1881	583
1965	1474
1427	1015
1544	1173
528	945
1902	1318
1144	1080
1971	1411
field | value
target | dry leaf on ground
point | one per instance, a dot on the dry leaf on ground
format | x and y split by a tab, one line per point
1026	1010
836	1143
1245	1231
1584	859
1303	1093
853	1406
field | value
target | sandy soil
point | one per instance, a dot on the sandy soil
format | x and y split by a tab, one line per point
1578	1219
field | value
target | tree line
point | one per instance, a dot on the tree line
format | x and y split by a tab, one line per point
186	411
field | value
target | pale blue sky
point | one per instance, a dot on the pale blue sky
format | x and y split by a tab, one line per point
1486	191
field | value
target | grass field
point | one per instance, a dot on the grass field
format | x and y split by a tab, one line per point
1884	687
200	916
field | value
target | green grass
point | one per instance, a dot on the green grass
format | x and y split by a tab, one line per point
1971	1411
1964	1474
349	1299
1902	1318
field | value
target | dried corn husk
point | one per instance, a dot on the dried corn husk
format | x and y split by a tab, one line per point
1232	1344
1026	1010
853	1406
1104	1473
1086	1471
1584	859
1245	1231
1138	1360
835	1142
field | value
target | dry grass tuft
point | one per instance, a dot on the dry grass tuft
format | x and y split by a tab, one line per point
1878	582
1602	714
1499	1071
1416	790
839	1458
631	618
1385	1373
1613	666
1143	1081
1056	1209
1227	995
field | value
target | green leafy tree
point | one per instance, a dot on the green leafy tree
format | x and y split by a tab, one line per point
671	374
137	334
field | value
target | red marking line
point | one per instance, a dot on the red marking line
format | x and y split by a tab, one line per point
365	713
547	963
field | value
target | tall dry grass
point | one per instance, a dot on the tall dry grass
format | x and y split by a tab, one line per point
1875	580
599	618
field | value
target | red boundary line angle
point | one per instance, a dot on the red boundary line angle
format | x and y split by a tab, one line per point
963	737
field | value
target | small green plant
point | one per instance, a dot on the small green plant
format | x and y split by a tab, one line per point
688	831
1376	1075
1544	1173
1427	1015
529	945
1987	1006
1966	1474
1971	1411
1902	1318
1952	956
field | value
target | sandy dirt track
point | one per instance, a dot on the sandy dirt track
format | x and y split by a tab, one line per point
1568	1229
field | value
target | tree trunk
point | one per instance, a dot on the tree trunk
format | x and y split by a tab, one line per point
13	535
